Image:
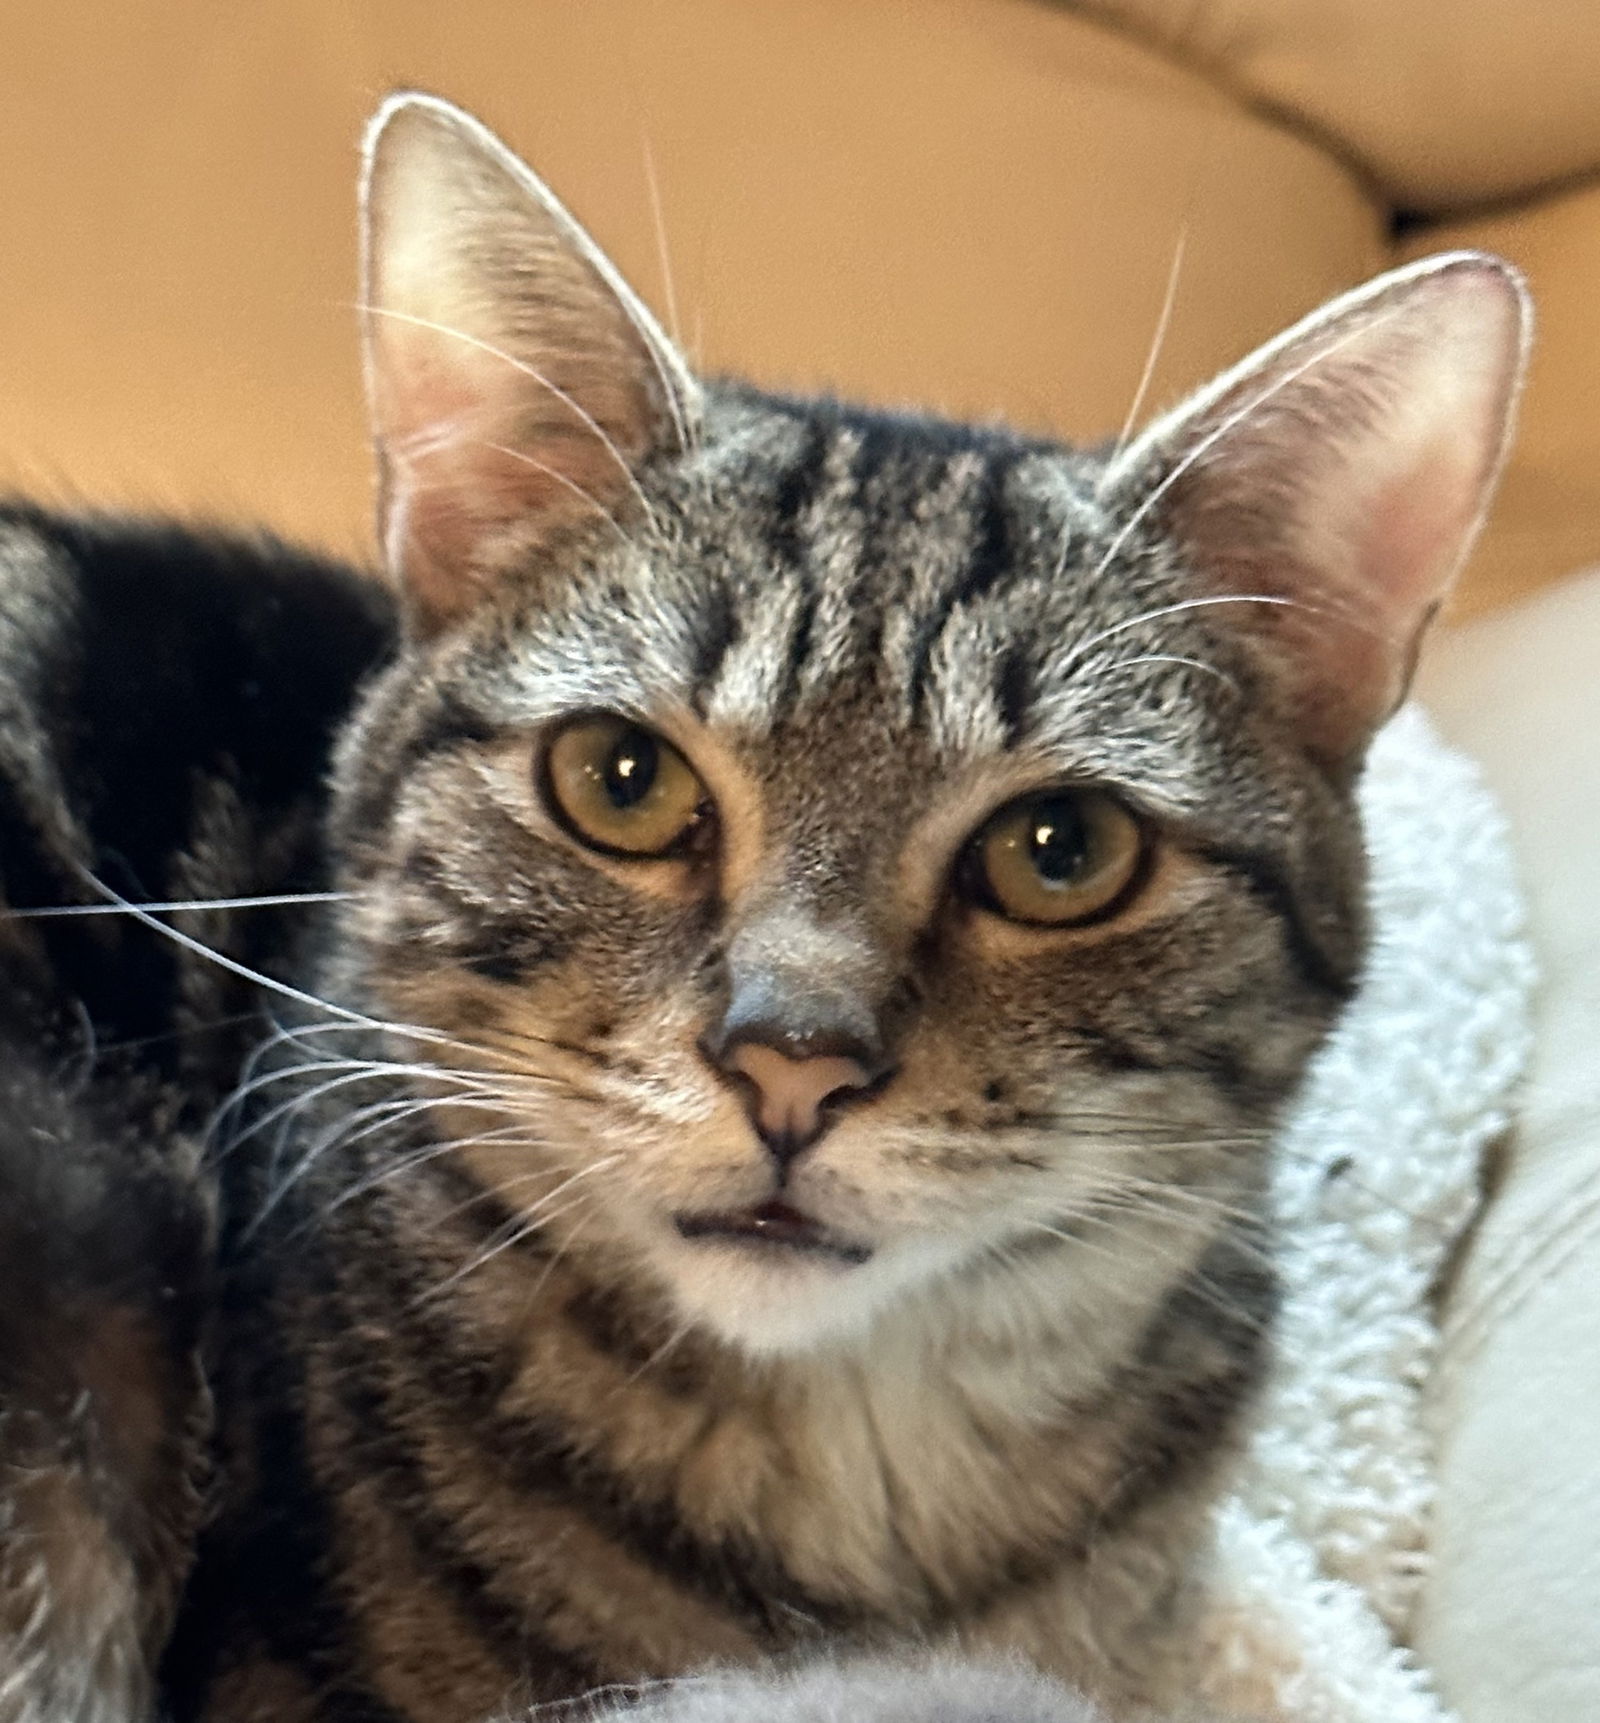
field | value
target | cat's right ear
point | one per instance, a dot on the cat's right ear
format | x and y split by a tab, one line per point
515	382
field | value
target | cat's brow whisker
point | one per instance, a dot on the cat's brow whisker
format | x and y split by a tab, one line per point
669	288
578	411
1169	300
1230	682
1081	650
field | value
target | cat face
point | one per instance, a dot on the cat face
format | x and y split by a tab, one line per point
852	856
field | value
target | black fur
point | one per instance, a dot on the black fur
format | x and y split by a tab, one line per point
154	681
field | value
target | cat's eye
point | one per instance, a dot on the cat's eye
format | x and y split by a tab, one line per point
621	788
1055	859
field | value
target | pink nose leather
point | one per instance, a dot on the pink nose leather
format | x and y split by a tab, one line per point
790	1092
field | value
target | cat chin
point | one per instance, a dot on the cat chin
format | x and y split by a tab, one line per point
773	1302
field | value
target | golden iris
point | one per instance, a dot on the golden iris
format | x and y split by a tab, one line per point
1056	858
621	788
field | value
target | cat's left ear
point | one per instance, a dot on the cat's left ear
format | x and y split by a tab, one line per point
1328	489
516	383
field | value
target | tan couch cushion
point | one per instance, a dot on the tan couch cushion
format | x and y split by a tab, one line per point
1443	105
971	203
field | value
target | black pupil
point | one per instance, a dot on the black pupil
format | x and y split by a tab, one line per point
630	769
1058	840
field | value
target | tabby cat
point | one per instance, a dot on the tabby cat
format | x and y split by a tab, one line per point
752	1138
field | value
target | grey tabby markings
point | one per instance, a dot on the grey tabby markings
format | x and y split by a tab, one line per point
556	1424
542	1368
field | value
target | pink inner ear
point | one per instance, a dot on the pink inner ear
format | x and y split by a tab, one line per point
1371	583
1413	530
475	447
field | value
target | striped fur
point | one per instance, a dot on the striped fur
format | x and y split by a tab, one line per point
500	1421
496	1458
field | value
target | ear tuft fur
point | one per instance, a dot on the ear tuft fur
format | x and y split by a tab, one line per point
1339	476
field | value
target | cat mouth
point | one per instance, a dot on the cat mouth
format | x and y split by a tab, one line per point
773	1225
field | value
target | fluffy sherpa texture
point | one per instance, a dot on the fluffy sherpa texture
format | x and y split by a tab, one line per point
872	1690
1322	1543
1322	1546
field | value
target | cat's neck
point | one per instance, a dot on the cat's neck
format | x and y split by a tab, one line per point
1020	1455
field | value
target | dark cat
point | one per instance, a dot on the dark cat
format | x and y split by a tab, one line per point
167	700
832	906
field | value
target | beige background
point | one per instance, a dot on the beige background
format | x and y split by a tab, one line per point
971	204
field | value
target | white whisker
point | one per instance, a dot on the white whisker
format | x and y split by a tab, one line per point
1163	322
367	1121
174	906
526	1223
660	1354
571	484
658	221
1221	675
1099	638
1117	1252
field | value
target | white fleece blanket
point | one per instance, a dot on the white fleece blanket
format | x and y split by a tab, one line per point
1322	1546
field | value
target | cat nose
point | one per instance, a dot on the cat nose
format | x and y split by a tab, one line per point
802	1032
787	1080
787	1095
